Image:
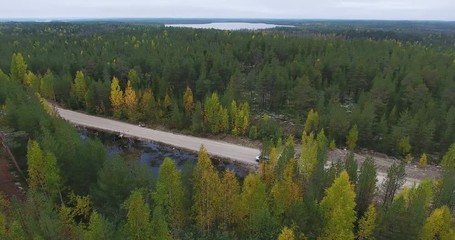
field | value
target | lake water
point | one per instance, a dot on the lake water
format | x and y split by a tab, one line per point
229	26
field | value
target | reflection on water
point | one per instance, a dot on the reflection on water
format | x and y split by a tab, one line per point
153	154
229	26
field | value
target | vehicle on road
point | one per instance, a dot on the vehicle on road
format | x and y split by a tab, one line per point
261	158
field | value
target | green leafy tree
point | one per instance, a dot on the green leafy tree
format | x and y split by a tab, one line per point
32	81
18	68
258	219
405	148
79	88
160	229
351	167
134	78
338	209
47	85
98	228
42	170
147	106
367	224
138	225
352	138
308	156
169	195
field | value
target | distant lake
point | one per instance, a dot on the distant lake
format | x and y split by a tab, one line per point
229	26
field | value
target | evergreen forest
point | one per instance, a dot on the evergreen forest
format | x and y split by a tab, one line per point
385	90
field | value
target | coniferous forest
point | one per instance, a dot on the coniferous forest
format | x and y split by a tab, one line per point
387	90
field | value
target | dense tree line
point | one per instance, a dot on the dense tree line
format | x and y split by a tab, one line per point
76	192
390	90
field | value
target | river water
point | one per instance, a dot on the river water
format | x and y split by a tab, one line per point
152	154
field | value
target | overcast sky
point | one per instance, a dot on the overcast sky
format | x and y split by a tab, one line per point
303	9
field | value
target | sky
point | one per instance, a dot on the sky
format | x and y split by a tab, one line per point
296	9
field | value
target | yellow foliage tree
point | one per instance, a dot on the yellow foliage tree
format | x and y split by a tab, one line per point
286	234
367	224
32	81
308	155
206	184
286	192
130	101
116	98
79	87
338	209
188	102
312	122
423	161
230	211
43	172
439	225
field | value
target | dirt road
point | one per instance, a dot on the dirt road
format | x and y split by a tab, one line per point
220	149
237	153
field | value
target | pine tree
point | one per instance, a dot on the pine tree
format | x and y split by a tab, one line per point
448	161
130	102
396	177
367	224
338	209
366	186
116	98
134	78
